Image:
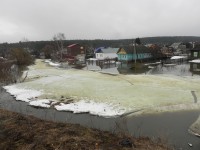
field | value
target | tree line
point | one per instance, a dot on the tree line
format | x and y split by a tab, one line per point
36	47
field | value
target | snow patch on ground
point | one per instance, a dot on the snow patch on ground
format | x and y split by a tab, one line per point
178	57
54	64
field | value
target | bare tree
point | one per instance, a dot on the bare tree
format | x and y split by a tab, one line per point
24	43
59	38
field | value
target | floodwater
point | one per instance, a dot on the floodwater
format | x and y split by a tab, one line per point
181	69
170	127
178	70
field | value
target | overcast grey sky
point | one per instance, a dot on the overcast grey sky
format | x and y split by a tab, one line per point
97	19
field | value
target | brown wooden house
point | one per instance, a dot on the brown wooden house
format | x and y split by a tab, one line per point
75	49
75	53
156	51
167	52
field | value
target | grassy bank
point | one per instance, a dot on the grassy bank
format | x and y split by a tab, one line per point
18	132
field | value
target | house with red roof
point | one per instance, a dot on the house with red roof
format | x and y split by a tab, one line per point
75	53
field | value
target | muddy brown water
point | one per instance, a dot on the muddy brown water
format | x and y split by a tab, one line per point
170	127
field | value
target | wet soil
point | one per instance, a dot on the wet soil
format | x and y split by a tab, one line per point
20	132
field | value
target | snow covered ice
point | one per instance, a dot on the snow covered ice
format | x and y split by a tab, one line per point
103	94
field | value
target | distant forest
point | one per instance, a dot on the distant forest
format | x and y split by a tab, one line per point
37	46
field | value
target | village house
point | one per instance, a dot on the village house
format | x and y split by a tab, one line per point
106	53
167	52
195	59
195	52
129	53
74	53
155	51
180	48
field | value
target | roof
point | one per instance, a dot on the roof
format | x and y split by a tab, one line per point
72	45
139	49
98	50
196	48
106	50
178	57
197	61
110	50
176	45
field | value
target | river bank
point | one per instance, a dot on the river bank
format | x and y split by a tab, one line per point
27	132
167	109
170	127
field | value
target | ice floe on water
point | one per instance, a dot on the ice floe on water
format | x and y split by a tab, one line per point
22	94
100	109
32	97
45	103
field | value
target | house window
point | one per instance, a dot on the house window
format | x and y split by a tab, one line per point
195	54
194	66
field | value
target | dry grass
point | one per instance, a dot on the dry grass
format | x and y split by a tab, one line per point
18	132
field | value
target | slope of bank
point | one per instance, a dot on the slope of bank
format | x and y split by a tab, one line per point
27	132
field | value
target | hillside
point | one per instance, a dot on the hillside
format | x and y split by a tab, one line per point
36	46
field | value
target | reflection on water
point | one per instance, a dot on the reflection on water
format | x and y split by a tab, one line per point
179	70
168	69
171	127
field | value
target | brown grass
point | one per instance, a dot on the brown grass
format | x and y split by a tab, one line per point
18	132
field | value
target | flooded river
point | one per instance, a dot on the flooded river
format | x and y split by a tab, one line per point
170	127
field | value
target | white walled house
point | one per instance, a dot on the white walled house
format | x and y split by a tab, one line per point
106	53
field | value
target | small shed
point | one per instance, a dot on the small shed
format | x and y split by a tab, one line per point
195	65
195	53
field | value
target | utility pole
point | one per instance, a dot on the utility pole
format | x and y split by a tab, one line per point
135	52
